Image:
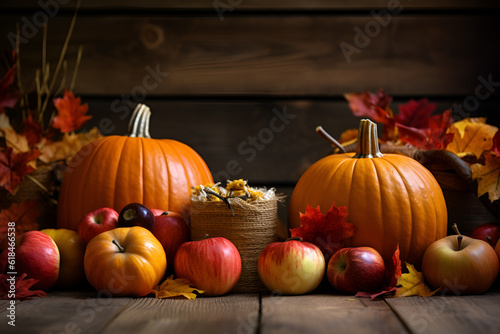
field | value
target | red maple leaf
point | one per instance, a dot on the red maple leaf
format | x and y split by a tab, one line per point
324	230
434	137
392	273
496	143
415	114
13	167
25	214
71	113
367	104
32	131
8	94
22	288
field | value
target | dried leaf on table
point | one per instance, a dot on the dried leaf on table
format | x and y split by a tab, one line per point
413	284
71	113
488	176
415	114
472	135
8	94
22	288
178	287
324	230
14	167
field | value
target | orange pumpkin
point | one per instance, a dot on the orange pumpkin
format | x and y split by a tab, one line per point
391	198
127	261
114	171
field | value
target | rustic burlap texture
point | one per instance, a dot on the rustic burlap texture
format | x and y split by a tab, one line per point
251	229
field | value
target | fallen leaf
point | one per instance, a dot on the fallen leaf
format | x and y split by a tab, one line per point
14	167
22	287
412	284
324	230
178	287
388	292
67	147
472	135
488	176
71	113
9	95
415	114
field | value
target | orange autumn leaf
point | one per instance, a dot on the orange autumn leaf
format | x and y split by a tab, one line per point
472	136
71	113
488	176
178	287
14	167
326	231
24	214
413	284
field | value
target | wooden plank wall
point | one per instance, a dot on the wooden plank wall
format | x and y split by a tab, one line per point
245	82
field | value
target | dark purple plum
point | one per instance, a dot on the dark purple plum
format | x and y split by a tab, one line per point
136	214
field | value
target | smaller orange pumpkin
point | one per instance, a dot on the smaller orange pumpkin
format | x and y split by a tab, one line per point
125	261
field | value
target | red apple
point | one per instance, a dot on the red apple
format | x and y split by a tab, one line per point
484	231
34	253
172	230
136	214
157	212
212	265
292	267
460	265
96	222
356	269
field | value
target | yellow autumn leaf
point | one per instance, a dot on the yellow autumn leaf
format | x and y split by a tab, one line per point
67	147
18	142
472	136
178	287
412	284
487	176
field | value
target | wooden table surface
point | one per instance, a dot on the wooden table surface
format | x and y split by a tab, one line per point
83	312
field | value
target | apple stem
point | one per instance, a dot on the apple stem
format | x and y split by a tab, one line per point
294	238
488	240
120	248
206	236
455	228
459	239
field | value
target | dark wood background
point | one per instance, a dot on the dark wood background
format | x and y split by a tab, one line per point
228	75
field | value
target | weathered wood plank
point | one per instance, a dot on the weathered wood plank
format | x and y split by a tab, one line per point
327	314
222	131
266	55
63	312
228	314
450	314
261	4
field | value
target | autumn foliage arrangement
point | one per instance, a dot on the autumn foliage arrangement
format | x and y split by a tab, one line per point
418	126
39	134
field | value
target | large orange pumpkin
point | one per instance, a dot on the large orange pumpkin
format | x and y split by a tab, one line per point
114	171
391	198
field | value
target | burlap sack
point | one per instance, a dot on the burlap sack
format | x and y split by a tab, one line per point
251	229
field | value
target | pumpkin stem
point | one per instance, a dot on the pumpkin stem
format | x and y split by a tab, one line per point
139	122
333	141
120	247
367	140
